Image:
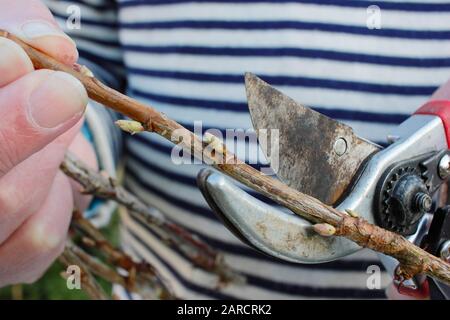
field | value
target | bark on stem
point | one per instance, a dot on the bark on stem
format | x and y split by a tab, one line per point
413	260
199	253
141	275
97	267
88	283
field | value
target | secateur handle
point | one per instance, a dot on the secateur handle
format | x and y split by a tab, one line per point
440	108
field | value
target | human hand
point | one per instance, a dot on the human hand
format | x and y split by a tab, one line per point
40	116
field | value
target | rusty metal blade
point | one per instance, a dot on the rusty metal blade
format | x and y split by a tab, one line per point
317	155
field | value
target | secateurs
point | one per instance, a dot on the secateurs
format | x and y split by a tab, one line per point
398	187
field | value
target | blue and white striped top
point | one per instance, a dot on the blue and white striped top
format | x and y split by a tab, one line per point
187	58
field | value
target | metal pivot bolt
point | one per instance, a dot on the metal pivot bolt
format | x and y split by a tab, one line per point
340	146
444	167
423	202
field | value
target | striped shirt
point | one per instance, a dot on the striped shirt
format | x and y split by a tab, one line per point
369	64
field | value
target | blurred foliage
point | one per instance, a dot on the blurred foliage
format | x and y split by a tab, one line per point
52	286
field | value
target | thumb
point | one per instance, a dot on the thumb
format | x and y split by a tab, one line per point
31	21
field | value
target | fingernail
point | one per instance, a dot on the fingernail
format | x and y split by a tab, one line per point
58	99
38	29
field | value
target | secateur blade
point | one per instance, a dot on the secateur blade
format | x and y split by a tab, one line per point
317	155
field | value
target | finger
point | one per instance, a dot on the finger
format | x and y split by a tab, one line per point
40	240
24	189
443	93
14	62
32	22
34	110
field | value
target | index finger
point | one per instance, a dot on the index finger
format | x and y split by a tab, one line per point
33	22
